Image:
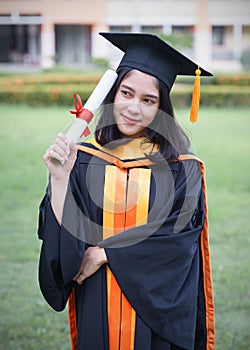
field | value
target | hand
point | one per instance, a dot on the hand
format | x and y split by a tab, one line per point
94	258
60	157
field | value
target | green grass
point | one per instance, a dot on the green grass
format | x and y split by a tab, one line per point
26	321
221	140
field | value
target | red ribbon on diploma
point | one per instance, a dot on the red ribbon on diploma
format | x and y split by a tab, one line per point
81	113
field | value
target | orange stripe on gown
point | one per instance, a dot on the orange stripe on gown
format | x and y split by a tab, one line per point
141	218
126	200
72	320
206	264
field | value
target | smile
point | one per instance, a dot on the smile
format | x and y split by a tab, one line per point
129	120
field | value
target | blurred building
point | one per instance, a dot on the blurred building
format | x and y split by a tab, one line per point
43	32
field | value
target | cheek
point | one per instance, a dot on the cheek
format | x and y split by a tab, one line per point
115	107
115	112
119	105
118	98
149	115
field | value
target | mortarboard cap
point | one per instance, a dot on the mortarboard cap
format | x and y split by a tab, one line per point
149	54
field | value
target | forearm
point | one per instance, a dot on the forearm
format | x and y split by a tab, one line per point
58	194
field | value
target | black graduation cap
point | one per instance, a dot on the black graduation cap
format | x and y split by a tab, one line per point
147	52
150	54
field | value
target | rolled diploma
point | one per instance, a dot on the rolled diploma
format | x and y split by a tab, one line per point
92	104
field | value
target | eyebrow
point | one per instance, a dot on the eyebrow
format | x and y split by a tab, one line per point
131	89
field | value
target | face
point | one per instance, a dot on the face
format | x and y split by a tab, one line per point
136	103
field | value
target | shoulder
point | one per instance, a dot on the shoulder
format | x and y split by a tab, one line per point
189	157
186	167
90	143
86	149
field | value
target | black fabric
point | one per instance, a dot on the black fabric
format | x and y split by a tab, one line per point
50	273
150	54
160	274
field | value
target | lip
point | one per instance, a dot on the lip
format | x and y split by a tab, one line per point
129	120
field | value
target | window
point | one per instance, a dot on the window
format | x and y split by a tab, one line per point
182	29
151	29
120	29
218	35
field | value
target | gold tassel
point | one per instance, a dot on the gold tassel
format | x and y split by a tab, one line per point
195	97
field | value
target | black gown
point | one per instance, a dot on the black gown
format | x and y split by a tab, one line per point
162	266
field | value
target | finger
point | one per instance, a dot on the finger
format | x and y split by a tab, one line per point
46	155
63	137
80	279
61	150
62	141
50	156
53	155
76	276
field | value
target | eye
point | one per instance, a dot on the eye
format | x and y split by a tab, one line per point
125	93
149	101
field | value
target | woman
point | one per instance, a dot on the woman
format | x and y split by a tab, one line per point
124	222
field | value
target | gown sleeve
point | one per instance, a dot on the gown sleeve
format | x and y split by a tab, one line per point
159	274
64	245
49	271
60	255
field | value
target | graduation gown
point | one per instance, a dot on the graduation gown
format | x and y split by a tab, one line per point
151	219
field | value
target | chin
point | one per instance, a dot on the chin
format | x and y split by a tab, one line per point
130	133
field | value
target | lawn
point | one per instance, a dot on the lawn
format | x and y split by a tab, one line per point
220	138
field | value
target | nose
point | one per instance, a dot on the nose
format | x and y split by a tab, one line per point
134	108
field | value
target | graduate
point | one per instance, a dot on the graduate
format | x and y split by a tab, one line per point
123	223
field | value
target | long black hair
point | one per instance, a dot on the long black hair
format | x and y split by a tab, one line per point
164	132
